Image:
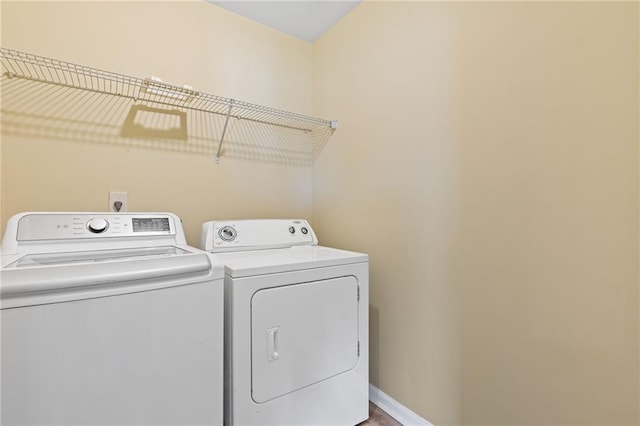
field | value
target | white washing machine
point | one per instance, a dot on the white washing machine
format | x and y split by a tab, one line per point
296	325
109	319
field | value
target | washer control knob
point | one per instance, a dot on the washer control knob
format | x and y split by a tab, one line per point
292	230
227	233
304	230
97	225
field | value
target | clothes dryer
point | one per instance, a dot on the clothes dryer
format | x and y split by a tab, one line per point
296	325
109	319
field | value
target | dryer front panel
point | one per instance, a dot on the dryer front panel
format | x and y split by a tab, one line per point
302	334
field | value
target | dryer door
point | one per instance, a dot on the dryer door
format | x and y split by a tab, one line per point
302	334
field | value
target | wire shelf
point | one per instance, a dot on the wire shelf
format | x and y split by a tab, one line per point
232	115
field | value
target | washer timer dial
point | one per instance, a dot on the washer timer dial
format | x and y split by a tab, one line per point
97	225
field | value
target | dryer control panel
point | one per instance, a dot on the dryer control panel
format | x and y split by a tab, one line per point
259	234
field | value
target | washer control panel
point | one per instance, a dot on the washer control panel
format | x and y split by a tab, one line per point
256	234
61	226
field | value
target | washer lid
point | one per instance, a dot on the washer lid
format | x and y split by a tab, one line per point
261	262
37	279
95	256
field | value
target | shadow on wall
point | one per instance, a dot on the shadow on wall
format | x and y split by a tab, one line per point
36	109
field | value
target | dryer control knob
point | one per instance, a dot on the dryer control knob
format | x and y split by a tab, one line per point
292	230
228	233
97	225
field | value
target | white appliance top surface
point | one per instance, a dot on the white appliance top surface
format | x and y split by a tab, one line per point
56	239
52	257
261	262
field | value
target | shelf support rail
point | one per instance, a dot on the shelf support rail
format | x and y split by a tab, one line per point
224	130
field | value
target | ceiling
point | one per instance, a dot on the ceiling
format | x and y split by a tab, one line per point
304	19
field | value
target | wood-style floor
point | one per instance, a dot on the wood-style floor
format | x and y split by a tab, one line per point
377	417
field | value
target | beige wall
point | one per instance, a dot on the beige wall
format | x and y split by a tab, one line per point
183	42
487	160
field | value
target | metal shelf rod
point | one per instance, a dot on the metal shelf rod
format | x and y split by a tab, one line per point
224	130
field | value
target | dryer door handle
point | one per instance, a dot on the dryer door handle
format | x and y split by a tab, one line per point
273	344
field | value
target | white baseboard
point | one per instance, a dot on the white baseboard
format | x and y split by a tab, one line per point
395	409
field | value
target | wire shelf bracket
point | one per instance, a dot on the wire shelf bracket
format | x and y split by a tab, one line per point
224	131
